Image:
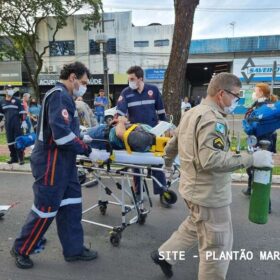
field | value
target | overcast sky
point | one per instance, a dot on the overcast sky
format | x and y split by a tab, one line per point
213	18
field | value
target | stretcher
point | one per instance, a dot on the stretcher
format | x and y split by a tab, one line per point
119	168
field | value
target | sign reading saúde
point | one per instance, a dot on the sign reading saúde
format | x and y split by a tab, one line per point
51	79
154	74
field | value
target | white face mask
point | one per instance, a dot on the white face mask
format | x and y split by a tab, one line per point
80	91
10	92
254	97
133	85
231	108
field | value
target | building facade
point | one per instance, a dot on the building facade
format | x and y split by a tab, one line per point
250	58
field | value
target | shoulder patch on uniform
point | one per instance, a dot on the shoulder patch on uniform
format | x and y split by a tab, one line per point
218	143
120	98
221	128
150	93
65	114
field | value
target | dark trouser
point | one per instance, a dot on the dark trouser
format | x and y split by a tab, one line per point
57	193
13	130
250	177
159	175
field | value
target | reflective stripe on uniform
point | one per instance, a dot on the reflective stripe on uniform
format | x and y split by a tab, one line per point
43	214
2	114
10	106
65	139
161	112
69	201
139	103
22	112
148	101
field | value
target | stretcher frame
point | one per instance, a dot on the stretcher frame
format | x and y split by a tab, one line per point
138	206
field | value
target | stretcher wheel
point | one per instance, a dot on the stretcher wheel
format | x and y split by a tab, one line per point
142	219
103	209
115	238
2	215
170	197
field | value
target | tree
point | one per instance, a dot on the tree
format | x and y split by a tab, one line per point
173	85
19	21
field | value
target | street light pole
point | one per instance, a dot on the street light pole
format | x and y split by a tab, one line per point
105	62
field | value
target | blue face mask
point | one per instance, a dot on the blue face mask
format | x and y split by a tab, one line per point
10	92
80	91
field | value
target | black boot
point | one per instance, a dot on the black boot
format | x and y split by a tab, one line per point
164	265
21	157
21	261
12	160
86	255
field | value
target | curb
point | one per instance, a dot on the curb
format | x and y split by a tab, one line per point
236	177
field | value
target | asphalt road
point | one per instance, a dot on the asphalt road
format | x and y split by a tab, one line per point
131	260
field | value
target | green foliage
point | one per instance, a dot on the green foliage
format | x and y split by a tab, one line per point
19	22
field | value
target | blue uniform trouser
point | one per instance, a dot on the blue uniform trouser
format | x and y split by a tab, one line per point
13	130
159	175
57	194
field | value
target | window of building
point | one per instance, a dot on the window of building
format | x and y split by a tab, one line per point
111	46
141	44
161	43
94	48
62	48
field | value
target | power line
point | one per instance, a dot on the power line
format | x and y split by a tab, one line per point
200	9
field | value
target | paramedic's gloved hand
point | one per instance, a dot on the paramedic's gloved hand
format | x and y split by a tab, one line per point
168	171
97	155
262	158
24	125
87	139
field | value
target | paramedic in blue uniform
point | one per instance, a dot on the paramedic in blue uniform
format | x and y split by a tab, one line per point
11	108
57	192
142	103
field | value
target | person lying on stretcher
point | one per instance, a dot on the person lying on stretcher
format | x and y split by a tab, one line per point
124	135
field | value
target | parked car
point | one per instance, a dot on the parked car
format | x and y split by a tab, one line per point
109	114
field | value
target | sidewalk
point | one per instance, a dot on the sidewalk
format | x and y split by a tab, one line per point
236	177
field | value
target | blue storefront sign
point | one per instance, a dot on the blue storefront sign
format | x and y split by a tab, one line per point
155	74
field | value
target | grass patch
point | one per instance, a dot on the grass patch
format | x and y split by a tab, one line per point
4	158
275	171
3	139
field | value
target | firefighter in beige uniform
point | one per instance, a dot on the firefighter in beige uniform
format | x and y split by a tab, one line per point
202	142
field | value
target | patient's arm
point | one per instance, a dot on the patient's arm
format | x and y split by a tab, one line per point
171	149
120	127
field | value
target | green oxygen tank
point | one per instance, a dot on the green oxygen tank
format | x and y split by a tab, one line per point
261	186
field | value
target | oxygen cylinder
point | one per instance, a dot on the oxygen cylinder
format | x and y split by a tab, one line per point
261	186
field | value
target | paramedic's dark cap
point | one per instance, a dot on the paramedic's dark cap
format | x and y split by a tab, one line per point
140	141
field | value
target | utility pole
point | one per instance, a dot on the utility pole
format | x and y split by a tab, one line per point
105	62
232	24
102	39
274	70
